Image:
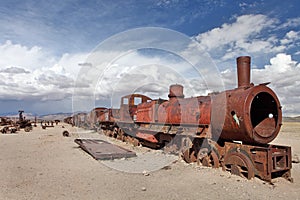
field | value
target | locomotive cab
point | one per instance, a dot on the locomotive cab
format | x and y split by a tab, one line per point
129	105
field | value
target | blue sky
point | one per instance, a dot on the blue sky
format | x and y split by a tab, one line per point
42	43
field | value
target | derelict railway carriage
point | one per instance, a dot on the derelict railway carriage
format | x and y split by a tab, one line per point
230	129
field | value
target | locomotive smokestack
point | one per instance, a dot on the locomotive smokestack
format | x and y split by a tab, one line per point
176	91
243	71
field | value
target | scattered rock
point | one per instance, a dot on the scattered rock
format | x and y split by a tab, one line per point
166	167
143	188
145	173
295	159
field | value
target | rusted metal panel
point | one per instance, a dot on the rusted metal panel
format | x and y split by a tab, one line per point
94	115
80	119
147	136
194	110
102	150
109	115
148	112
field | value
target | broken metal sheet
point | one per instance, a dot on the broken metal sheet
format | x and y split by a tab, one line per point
102	150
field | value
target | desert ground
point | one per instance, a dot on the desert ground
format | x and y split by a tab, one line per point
42	164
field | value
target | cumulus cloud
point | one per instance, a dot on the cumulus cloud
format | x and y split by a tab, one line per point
257	36
137	73
243	28
14	70
27	57
39	75
290	38
250	35
31	73
290	23
283	73
145	61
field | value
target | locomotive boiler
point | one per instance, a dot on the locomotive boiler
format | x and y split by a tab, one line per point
252	113
231	129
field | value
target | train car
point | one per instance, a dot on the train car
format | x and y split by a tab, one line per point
230	129
68	120
108	121
80	120
93	117
128	107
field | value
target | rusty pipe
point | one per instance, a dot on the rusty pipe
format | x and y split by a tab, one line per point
243	71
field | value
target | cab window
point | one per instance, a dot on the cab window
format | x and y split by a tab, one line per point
125	101
137	100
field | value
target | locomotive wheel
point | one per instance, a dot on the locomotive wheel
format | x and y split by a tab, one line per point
208	159
186	151
239	164
115	132
189	155
110	133
106	132
136	142
130	139
121	135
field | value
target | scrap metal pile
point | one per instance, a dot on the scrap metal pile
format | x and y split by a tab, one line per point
10	126
230	129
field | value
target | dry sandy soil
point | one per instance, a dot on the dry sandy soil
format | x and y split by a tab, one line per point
43	164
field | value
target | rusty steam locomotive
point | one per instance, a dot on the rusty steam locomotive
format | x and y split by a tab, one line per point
230	129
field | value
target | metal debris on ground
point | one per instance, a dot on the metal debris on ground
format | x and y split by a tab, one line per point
102	150
66	134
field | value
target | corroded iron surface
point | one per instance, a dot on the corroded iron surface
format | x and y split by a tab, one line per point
102	150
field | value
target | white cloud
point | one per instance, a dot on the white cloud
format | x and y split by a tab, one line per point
283	73
14	70
260	37
250	35
241	30
290	23
17	55
290	38
281	63
31	73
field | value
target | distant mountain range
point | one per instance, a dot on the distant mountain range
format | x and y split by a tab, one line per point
59	116
291	119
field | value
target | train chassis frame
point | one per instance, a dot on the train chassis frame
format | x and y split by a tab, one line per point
249	161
